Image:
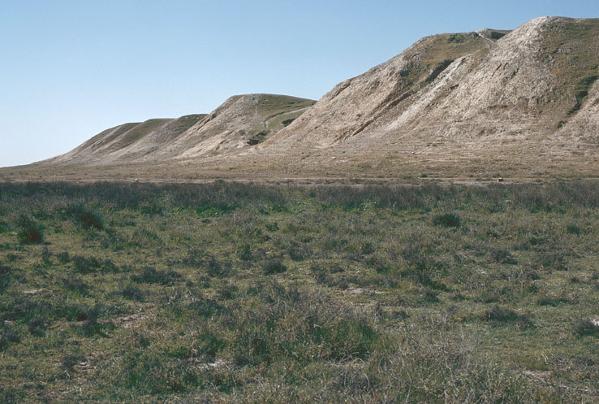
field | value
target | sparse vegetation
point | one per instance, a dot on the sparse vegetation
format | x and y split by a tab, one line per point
257	138
582	92
246	293
456	38
438	69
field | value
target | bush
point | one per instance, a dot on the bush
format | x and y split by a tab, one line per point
5	277
86	218
30	231
456	38
76	285
215	209
151	275
553	260
209	344
207	308
257	138
11	395
274	266
64	257
218	269
69	361
8	335
551	301
574	229
245	253
500	315
582	92
502	256
422	266
87	265
91	326
37	327
133	293
447	220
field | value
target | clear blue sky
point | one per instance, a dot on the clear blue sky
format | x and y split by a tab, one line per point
71	68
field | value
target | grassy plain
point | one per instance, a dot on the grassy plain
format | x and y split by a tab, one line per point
232	292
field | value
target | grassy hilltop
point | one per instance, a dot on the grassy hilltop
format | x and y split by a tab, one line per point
228	292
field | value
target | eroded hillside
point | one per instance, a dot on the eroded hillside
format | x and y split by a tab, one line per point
517	104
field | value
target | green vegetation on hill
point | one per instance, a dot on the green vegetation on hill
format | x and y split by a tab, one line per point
278	112
254	293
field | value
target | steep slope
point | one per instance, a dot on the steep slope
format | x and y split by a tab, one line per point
128	142
463	87
503	102
358	103
241	122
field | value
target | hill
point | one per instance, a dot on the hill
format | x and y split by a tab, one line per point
489	103
518	104
242	121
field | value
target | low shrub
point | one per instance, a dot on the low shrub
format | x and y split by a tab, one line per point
37	327
503	256
76	285
87	265
91	326
422	267
208	344
207	308
64	257
133	293
5	277
551	301
8	335
215	209
573	229
86	217
502	315
69	361
553	260
245	253
29	230
291	325
447	220
151	275
218	269
274	266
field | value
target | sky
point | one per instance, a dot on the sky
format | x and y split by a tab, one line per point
70	68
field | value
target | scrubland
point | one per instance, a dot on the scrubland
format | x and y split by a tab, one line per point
238	292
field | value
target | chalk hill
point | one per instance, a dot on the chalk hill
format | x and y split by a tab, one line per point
521	103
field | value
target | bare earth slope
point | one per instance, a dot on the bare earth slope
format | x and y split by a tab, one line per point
462	104
521	104
128	142
242	121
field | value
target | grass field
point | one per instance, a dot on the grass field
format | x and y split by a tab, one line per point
244	293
